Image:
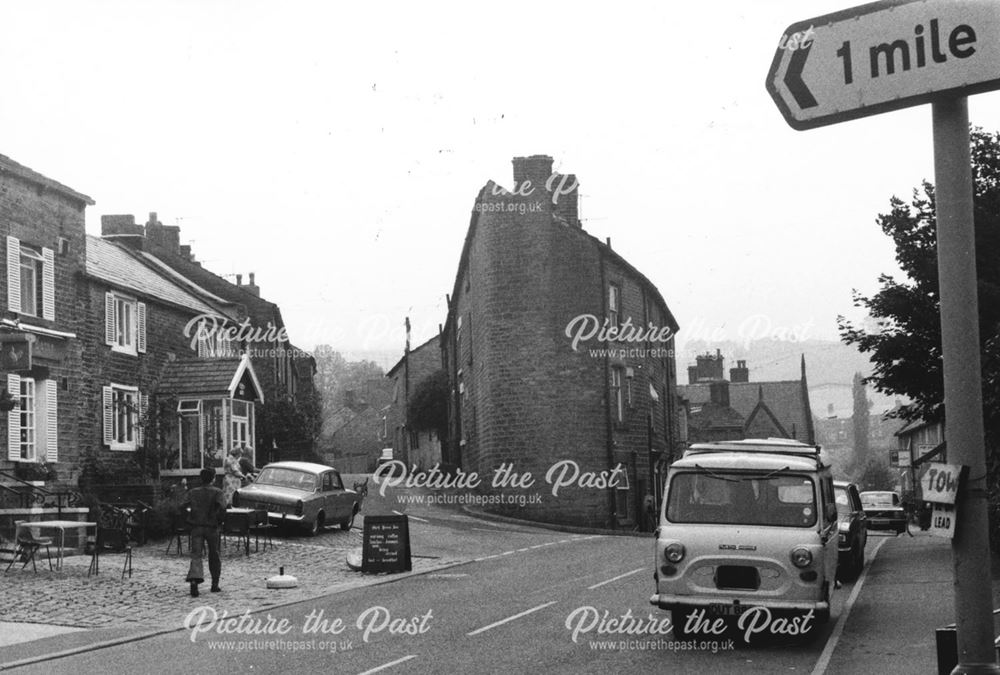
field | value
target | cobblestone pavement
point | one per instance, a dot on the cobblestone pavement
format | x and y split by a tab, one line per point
157	595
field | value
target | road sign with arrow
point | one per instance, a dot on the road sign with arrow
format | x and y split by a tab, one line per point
884	56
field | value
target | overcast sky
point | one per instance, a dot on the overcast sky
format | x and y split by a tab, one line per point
336	150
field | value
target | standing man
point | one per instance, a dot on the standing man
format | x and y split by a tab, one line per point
208	508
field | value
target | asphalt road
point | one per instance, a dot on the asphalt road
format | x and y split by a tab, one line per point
511	610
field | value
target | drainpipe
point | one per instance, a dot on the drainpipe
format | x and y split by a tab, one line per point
612	506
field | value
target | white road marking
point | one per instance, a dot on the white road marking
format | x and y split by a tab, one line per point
390	664
510	618
444	575
422	520
620	576
831	644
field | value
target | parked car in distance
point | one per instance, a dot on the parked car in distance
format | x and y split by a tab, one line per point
852	524
386	456
306	494
884	510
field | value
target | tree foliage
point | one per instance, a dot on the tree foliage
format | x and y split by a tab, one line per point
336	375
428	407
905	344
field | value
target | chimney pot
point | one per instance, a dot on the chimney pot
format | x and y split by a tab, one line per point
252	282
239	279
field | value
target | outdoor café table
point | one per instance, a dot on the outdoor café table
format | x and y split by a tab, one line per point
62	526
255	517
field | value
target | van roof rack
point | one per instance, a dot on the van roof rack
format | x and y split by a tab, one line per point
775	446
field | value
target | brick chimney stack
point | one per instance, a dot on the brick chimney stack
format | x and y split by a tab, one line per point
536	168
166	237
565	192
252	287
122	229
740	373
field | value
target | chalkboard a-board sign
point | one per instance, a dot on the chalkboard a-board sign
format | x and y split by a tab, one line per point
386	546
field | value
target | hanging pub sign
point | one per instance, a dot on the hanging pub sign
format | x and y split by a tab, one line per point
15	352
939	482
942	521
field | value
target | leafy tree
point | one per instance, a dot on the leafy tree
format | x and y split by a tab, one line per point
875	475
428	407
859	420
905	344
336	375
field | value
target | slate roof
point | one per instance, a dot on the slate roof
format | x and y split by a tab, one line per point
435	341
258	309
7	165
786	400
715	416
763	418
207	375
117	266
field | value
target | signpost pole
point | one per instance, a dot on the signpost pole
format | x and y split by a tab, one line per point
962	382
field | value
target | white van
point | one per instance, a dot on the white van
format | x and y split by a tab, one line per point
745	524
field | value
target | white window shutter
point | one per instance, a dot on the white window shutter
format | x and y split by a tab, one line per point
14	275
202	347
109	415
48	285
51	422
140	329
14	419
140	430
109	318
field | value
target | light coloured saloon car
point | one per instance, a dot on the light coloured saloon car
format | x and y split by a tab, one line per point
301	493
750	523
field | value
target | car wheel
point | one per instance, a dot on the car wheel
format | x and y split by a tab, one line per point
857	561
317	525
346	525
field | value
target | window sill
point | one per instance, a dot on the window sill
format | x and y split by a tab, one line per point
122	447
124	350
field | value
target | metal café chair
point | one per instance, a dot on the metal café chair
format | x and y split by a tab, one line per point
179	528
261	527
27	545
237	524
111	540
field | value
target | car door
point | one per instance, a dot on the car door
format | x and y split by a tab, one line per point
828	526
855	499
334	497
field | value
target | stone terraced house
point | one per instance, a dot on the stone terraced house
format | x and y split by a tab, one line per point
111	387
524	392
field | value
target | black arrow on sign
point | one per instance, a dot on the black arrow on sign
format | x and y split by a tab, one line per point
793	79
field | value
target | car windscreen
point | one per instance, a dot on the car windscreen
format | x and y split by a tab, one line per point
289	478
738	498
878	499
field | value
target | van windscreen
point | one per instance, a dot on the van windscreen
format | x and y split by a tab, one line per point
781	500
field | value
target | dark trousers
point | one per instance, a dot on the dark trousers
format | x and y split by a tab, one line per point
200	536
